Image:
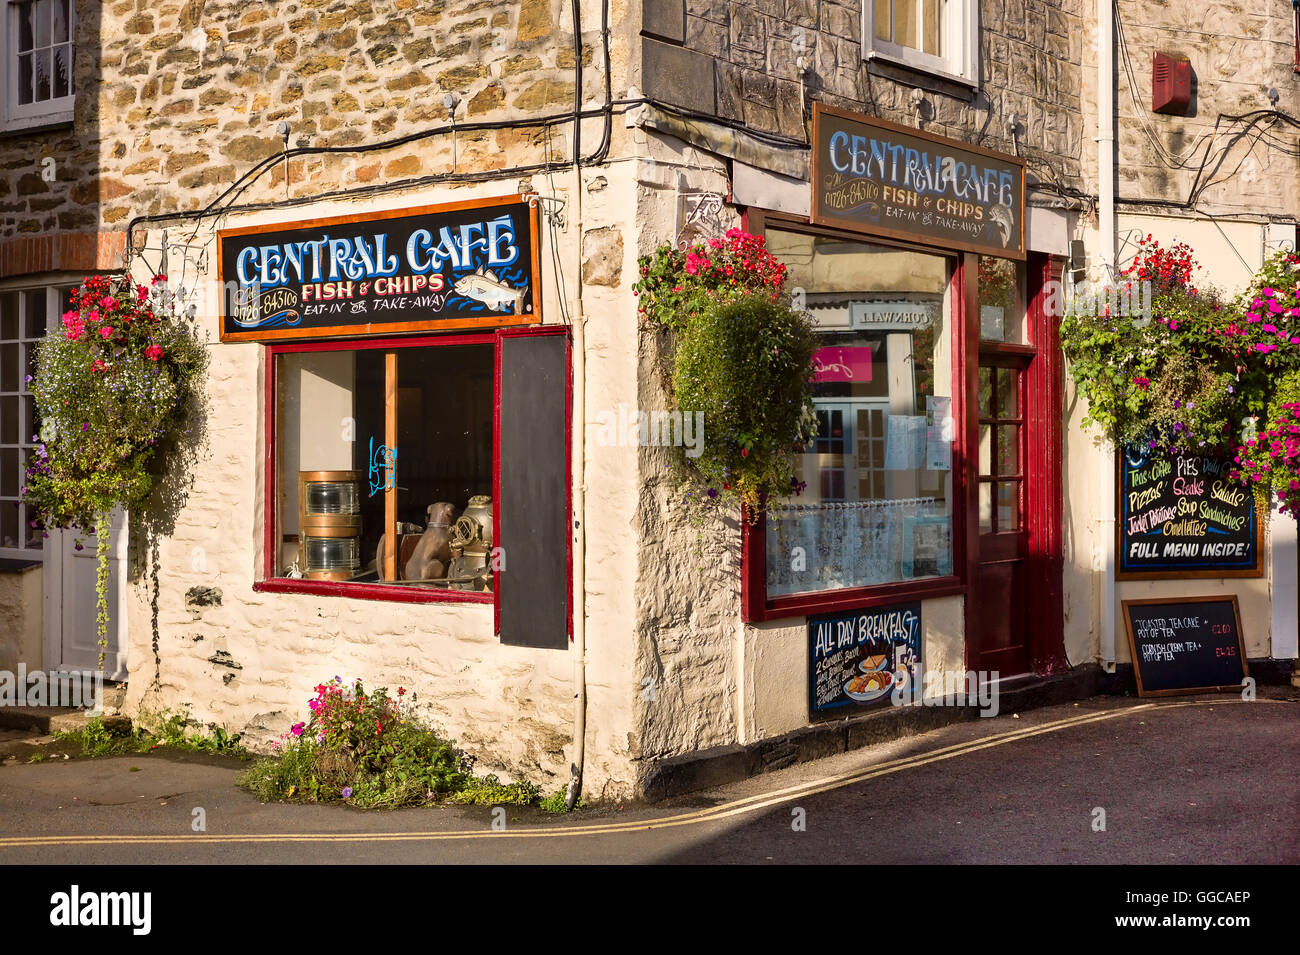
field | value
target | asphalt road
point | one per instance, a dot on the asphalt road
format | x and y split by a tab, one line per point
1200	780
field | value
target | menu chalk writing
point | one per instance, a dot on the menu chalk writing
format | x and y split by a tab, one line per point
857	659
1188	645
1181	515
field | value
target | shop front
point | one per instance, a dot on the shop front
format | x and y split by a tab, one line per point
932	490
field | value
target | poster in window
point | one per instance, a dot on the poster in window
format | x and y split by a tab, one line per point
927	546
471	264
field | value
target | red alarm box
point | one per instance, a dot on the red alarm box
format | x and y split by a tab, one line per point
1171	83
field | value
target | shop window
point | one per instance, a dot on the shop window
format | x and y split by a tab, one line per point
39	44
934	36
878	500
24	316
425	470
369	433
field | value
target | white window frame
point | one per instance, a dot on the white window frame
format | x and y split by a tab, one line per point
15	116
959	36
53	290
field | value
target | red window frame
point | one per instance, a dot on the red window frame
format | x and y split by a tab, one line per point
393	593
756	606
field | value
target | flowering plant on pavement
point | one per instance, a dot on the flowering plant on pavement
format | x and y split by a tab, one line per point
371	750
116	386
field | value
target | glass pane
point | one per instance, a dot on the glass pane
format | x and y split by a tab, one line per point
905	23
41	75
29	418
25	32
882	19
60	20
9	533
986	449
876	503
986	393
1001	293
986	508
930	19
9	377
25	79
44	16
1008	449
62	71
9	420
35	304
1008	399
34	324
1008	507
8	317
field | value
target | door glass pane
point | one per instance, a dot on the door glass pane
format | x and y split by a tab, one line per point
986	393
1001	294
1008	399
1008	449
1008	506
986	449
986	507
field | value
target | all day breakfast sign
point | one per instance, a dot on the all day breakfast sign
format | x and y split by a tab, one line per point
875	176
466	264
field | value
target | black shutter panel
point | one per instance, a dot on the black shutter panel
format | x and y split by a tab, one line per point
533	586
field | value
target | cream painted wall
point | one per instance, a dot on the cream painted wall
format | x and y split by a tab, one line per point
774	686
250	664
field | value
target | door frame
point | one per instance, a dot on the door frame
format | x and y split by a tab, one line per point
1042	505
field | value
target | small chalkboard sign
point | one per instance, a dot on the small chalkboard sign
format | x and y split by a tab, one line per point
1181	516
858	659
1188	645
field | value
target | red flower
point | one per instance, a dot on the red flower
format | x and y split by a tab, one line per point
153	352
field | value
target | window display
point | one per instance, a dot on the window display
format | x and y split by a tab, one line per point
877	501
385	459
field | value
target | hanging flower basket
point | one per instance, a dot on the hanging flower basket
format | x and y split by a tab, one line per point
740	357
116	388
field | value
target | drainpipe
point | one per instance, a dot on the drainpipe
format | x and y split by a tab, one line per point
1106	229
579	450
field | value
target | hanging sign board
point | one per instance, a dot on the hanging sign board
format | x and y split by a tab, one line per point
1186	645
471	264
856	660
869	175
1182	517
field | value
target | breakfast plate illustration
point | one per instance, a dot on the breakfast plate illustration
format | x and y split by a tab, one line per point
869	686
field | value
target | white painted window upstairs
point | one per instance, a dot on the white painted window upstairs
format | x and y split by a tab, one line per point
38	41
933	36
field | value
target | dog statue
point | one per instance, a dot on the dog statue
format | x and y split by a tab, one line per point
433	553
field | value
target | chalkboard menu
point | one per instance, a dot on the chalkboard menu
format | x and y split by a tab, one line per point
1188	645
1183	517
871	175
471	264
856	660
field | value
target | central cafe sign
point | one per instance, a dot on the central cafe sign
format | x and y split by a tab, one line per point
874	176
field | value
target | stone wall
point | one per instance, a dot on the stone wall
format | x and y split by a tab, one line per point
739	60
176	101
1237	53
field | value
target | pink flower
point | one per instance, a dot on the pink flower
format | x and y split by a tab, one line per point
108	302
97	365
106	331
153	352
297	728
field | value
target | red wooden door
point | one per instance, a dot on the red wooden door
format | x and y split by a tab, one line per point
998	615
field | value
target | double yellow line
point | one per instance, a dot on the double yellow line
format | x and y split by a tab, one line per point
726	810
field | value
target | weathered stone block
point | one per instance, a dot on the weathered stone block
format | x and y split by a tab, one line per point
664	19
603	264
676	75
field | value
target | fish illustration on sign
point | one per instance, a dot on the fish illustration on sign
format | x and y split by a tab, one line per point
1004	221
484	286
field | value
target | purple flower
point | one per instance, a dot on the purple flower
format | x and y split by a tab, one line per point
1153	444
85	426
347	792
